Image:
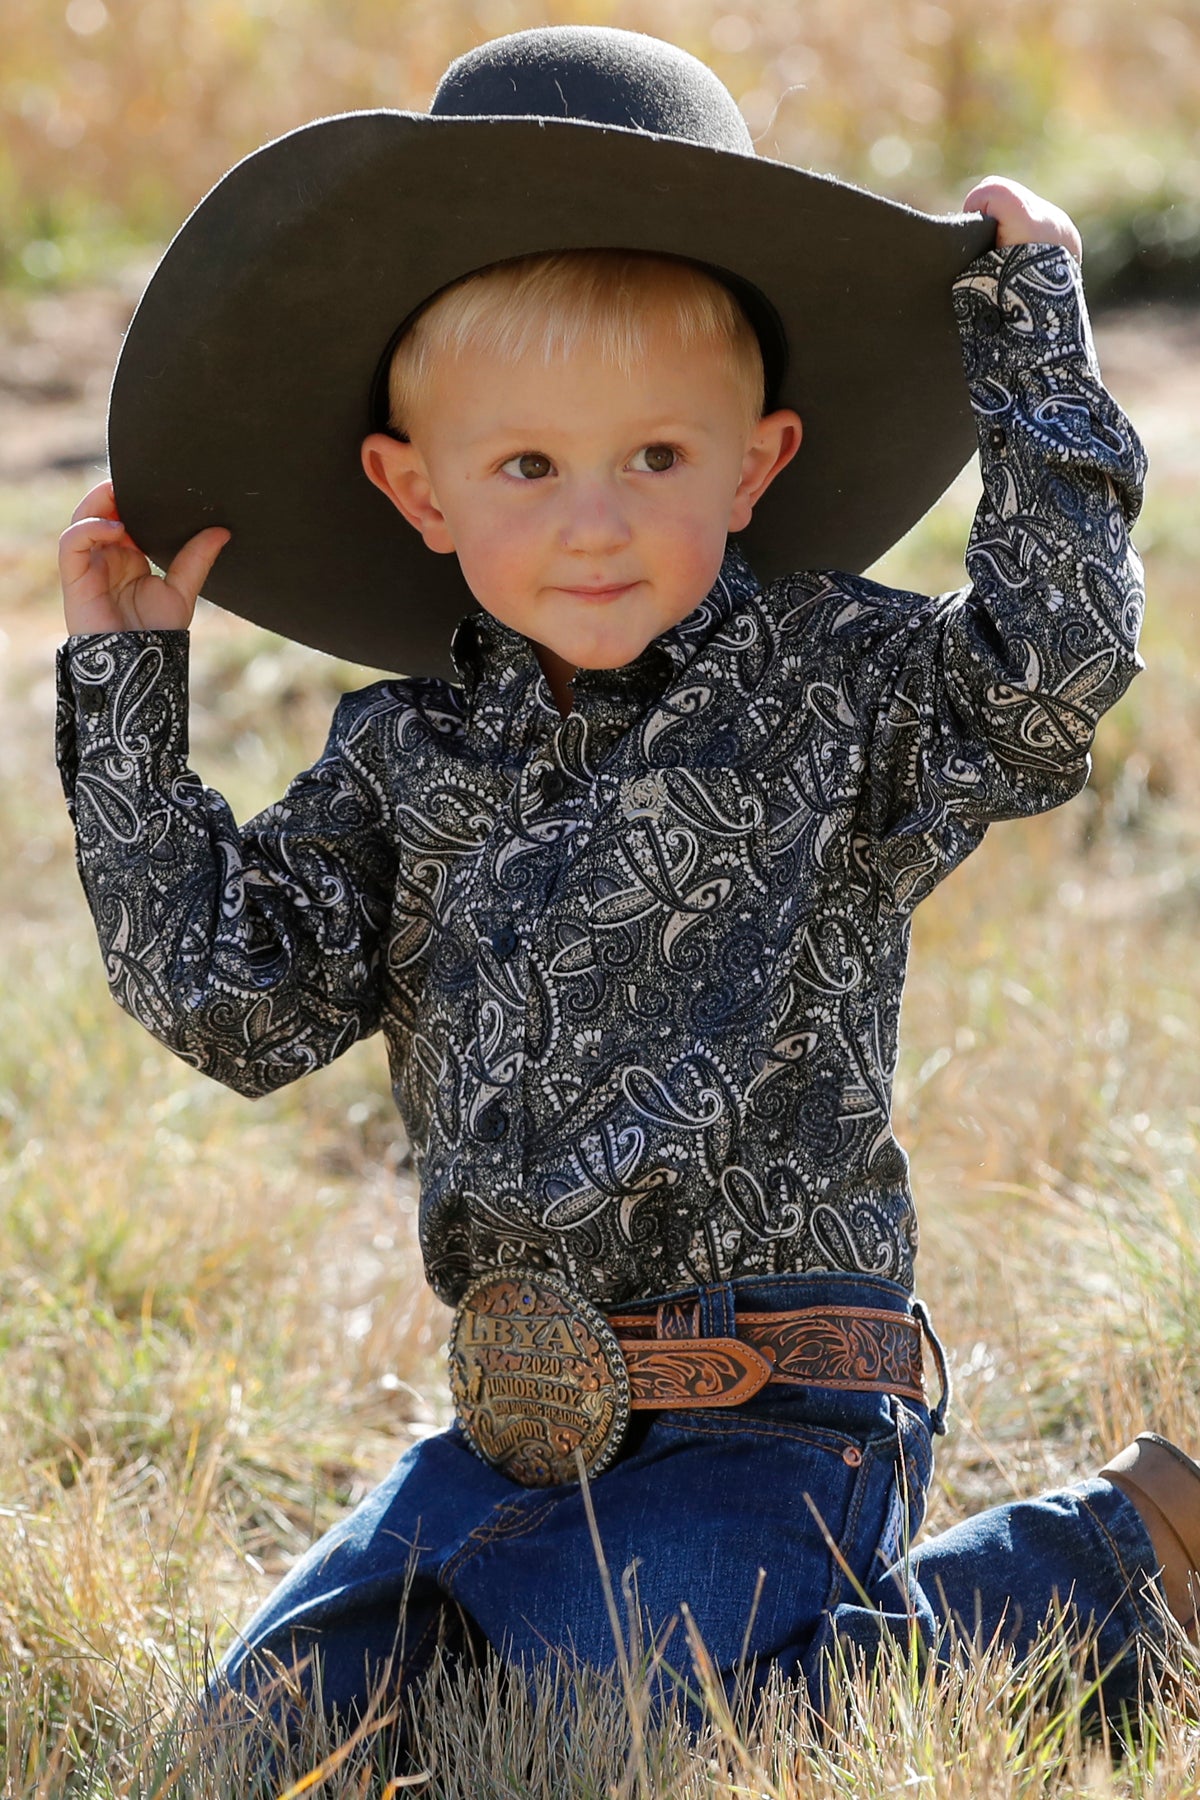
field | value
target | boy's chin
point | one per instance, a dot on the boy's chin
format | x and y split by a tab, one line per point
609	662
587	657
617	653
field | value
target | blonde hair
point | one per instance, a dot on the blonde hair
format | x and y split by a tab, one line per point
608	300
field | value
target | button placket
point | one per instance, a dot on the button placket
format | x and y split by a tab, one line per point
492	1123
552	784
496	1129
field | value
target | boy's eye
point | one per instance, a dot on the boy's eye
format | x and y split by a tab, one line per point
659	458
531	466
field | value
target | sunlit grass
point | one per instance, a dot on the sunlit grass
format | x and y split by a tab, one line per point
983	1727
214	1336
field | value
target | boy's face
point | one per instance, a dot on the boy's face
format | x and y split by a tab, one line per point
588	509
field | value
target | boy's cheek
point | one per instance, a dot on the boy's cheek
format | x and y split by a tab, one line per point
501	579
692	557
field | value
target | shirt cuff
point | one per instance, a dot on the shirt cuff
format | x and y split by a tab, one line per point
1024	301
120	693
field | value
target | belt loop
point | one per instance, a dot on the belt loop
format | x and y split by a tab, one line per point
937	1418
717	1311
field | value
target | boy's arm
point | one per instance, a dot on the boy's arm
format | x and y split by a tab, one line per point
253	954
982	704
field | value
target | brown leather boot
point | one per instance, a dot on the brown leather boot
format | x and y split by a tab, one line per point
1164	1485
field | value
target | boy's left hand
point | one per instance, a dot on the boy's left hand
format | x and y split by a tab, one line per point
1022	217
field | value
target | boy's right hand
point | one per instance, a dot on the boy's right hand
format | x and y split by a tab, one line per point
106	581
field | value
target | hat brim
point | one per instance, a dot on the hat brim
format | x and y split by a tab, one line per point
243	389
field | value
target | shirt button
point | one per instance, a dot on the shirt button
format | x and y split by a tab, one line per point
491	1124
504	941
989	322
553	784
996	438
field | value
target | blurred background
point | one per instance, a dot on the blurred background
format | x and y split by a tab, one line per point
214	1334
119	114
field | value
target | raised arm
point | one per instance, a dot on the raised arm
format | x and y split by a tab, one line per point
253	954
982	704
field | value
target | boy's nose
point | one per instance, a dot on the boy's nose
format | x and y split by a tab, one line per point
595	519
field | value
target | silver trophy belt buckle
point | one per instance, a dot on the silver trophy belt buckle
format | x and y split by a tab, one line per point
537	1378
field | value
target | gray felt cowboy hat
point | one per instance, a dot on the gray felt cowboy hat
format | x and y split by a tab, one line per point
252	369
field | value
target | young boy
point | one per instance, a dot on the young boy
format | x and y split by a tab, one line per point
630	900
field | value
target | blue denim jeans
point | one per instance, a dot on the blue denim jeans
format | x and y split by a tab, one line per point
823	1491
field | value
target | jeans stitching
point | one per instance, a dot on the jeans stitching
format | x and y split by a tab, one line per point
1143	1615
849	1530
797	1434
411	1666
512	1519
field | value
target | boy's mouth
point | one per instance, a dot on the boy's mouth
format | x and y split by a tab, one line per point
600	593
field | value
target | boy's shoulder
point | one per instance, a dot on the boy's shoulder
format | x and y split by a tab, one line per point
808	608
809	648
414	705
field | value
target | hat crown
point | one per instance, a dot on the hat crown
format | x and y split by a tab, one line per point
596	74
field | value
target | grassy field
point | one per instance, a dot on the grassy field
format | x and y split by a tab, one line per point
214	1335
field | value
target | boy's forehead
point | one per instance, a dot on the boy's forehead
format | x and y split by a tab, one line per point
669	382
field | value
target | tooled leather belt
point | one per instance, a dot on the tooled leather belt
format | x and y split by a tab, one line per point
544	1382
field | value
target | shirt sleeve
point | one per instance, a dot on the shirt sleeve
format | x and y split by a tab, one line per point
252	953
982	704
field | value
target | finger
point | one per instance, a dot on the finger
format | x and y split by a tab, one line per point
1069	237
79	540
98	503
191	568
1023	217
992	195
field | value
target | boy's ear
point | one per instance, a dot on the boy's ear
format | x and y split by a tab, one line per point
773	443
398	470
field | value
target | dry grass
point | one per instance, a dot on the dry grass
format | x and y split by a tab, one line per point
213	1334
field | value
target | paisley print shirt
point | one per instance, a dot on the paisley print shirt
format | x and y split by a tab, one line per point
639	969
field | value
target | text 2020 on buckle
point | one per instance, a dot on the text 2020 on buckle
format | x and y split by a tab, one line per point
536	1375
